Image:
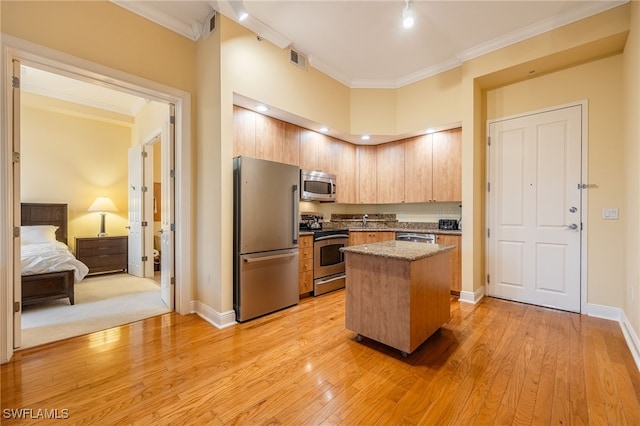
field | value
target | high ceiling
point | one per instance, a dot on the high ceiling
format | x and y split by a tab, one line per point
362	43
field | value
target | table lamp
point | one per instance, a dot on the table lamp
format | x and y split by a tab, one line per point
102	205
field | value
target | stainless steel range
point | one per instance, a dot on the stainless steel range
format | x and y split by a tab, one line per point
328	260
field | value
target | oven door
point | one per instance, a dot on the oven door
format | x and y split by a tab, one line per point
327	257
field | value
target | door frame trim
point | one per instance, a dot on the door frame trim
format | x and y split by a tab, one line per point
44	57
584	144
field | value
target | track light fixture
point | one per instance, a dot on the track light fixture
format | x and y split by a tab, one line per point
239	10
407	16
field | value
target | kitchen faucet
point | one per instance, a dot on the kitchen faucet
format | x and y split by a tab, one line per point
364	220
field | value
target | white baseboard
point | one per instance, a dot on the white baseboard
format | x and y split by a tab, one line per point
472	297
213	317
617	314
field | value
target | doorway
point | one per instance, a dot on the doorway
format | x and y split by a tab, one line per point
536	203
17	51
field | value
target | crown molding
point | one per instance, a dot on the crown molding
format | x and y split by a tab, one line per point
191	30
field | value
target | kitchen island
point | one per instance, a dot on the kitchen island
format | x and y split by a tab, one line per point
397	292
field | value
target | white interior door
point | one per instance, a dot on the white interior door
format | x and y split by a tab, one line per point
136	210
535	212
17	216
167	229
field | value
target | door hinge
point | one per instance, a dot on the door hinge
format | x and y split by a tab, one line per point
16	231
488	186
172	119
15	82
16	307
488	232
144	189
489	140
488	279
173	280
15	157
582	186
145	258
172	173
144	223
144	154
172	227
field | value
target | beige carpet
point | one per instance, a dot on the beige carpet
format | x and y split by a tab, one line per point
101	302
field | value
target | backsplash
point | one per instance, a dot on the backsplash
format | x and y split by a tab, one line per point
375	221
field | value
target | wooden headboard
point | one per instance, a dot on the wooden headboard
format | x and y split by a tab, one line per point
46	214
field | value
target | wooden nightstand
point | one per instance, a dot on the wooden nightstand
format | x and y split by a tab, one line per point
103	254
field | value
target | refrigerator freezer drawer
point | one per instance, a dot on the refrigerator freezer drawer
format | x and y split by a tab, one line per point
266	282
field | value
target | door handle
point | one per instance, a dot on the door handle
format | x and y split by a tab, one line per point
266	258
572	227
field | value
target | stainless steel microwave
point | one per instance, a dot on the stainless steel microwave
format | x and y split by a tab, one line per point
317	186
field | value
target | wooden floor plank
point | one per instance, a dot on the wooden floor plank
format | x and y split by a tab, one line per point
495	362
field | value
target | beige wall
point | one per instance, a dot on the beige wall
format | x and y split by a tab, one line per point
600	83
631	163
73	158
232	61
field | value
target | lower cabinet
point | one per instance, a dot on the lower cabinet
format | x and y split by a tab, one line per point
357	238
305	277
456	264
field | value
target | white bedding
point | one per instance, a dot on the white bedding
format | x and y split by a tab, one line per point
42	258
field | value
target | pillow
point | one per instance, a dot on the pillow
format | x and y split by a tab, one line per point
38	234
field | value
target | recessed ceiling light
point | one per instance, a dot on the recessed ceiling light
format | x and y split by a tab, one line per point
365	137
429	131
324	129
262	108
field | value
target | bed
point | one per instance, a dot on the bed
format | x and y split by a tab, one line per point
49	269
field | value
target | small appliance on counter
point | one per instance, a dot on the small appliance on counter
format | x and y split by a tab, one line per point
448	224
311	221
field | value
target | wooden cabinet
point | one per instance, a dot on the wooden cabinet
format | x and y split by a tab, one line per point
305	279
357	238
344	155
433	167
447	165
367	160
390	176
260	136
103	254
456	264
418	169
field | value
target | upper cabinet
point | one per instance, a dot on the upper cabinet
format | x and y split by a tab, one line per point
415	170
447	165
390	172
259	136
433	167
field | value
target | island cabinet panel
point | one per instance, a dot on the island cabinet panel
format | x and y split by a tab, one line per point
390	173
397	302
367	159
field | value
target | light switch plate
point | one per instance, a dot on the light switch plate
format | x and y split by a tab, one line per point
610	214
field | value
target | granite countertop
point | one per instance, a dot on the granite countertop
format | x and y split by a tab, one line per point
404	250
418	230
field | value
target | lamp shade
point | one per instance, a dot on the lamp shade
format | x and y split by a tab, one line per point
103	205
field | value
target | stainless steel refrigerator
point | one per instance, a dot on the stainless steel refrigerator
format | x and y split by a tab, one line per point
265	236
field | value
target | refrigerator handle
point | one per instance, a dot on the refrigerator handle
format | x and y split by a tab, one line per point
294	213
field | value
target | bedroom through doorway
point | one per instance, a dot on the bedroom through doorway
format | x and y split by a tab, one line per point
75	139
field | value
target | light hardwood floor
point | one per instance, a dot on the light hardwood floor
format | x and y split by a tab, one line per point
494	363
